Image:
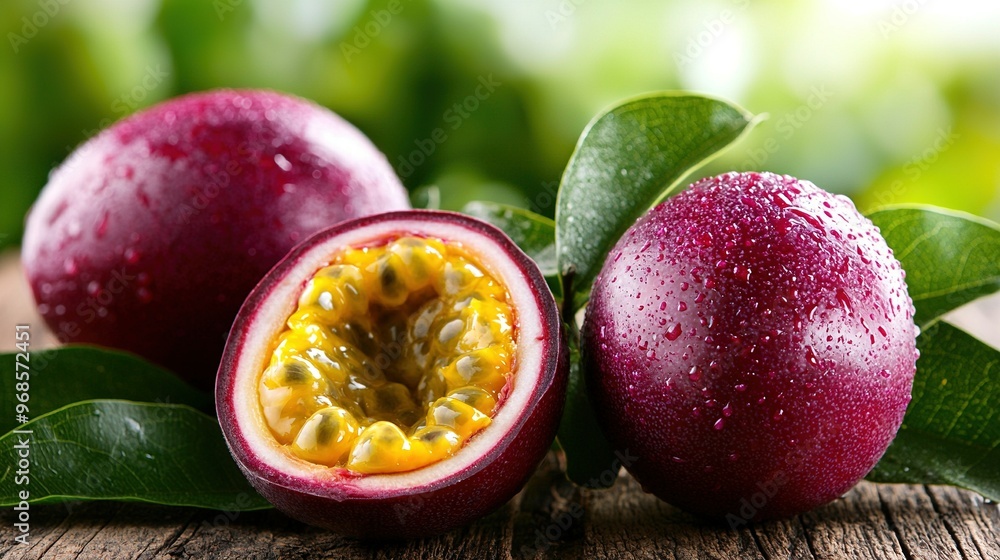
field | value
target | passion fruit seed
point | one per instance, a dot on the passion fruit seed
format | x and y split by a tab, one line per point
395	356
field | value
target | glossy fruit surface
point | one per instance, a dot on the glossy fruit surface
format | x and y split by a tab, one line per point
394	376
151	234
751	340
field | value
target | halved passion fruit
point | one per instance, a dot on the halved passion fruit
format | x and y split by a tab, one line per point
394	376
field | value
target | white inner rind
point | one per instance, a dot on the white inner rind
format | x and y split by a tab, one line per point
269	320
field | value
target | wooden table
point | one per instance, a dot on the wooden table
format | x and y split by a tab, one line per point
871	521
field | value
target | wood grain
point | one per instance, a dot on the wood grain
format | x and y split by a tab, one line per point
550	518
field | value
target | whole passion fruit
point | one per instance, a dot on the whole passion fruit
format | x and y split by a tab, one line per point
150	236
394	376
751	341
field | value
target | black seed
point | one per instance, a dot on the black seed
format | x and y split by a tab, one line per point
326	429
391	285
296	373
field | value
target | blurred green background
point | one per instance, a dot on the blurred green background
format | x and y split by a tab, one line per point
887	101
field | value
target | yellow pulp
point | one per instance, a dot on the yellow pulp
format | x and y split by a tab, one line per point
395	356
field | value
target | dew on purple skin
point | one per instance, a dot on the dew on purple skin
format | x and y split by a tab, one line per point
102	226
719	424
131	255
674	332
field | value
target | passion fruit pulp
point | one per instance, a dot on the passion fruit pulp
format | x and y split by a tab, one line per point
751	341
394	376
150	236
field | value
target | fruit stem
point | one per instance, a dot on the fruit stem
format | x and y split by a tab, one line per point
568	313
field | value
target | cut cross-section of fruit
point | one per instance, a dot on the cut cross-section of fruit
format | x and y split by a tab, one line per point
398	375
384	349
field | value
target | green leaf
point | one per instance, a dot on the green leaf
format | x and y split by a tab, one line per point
534	234
118	450
950	258
951	431
69	374
626	160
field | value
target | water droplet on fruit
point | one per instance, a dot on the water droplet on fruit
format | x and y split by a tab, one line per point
740	387
131	255
674	332
734	456
677	459
727	410
742	273
811	356
845	301
282	162
695	373
681	306
884	373
782	225
71	267
102	226
719	424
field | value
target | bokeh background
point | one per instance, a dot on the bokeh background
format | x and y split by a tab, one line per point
887	101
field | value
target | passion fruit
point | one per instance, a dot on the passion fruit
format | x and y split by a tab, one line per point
751	341
150	236
397	375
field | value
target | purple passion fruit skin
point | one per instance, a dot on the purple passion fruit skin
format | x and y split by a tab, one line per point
751	341
150	236
489	469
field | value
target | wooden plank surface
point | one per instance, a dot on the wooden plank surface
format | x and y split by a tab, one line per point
550	518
